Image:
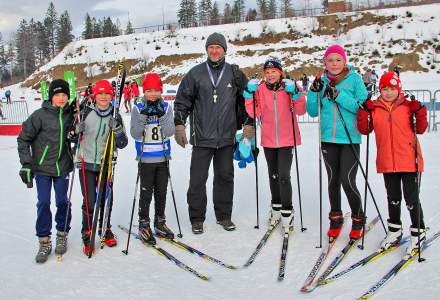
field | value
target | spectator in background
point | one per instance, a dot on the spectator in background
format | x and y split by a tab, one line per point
367	79
8	96
305	82
127	97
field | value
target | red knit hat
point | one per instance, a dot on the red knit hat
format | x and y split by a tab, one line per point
102	87
390	79
152	81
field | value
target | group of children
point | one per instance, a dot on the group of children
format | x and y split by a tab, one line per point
339	96
44	147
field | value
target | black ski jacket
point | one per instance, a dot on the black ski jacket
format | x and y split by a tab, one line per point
212	124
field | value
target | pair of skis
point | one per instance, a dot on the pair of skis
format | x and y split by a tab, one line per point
263	241
185	247
311	281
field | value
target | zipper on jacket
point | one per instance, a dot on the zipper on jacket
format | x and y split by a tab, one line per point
335	121
60	149
43	156
276	116
194	128
96	144
390	119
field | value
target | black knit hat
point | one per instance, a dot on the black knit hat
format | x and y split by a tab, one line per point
216	39
273	62
58	86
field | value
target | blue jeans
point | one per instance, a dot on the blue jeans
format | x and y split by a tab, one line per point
44	215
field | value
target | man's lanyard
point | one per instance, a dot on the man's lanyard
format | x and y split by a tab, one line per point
215	84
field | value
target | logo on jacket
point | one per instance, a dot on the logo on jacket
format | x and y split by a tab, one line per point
229	85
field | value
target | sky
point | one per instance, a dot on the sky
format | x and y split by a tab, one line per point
141	12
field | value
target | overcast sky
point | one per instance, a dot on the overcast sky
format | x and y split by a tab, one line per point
141	12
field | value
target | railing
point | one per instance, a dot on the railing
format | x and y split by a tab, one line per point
432	102
15	112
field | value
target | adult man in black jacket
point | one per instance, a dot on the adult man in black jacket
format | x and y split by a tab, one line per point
210	95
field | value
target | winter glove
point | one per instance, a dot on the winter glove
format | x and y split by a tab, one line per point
414	106
80	128
115	122
331	93
26	175
251	88
317	85
150	109
248	132
180	136
160	108
368	105
290	86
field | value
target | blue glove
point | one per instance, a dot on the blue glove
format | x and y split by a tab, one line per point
290	86
252	85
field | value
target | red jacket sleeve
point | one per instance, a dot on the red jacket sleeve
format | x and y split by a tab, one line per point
362	122
421	120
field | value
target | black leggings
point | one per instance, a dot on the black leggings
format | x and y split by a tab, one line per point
393	184
91	186
341	166
154	179
279	162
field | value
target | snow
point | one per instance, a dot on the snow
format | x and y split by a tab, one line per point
145	275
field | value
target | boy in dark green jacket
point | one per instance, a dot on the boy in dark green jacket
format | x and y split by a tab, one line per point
45	152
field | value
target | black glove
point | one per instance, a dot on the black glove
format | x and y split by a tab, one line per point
317	85
160	108
115	122
80	127
26	175
331	93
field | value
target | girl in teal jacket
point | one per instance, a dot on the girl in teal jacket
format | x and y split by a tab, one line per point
342	87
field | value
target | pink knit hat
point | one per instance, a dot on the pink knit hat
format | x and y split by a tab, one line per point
338	49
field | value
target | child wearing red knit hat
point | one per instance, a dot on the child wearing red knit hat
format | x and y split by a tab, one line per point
392	118
94	129
152	124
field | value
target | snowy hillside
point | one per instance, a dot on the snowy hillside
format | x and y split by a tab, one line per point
406	36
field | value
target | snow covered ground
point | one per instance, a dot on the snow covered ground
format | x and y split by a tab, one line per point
145	275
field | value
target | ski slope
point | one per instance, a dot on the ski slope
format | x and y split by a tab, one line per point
143	274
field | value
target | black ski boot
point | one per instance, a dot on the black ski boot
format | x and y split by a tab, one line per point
162	229
145	233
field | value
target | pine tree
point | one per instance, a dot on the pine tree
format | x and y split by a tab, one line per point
64	33
286	8
42	45
88	28
3	60
263	9
204	11
227	14
215	14
97	28
251	14
272	9
187	13
25	49
238	9
107	28
51	24
116	29
129	29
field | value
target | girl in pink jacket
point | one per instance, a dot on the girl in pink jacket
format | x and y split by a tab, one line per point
277	103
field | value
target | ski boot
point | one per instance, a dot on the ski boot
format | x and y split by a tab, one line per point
336	222
61	243
162	229
287	220
393	237
145	233
357	227
413	245
44	250
275	214
109	238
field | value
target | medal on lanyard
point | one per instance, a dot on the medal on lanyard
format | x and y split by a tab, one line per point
215	84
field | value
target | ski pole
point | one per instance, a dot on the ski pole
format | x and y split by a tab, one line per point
256	161
320	170
296	164
135	193
171	183
360	165
419	208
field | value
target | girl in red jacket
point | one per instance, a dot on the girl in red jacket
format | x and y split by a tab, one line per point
391	117
127	97
276	99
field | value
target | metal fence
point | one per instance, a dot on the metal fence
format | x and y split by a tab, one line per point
432	101
15	112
